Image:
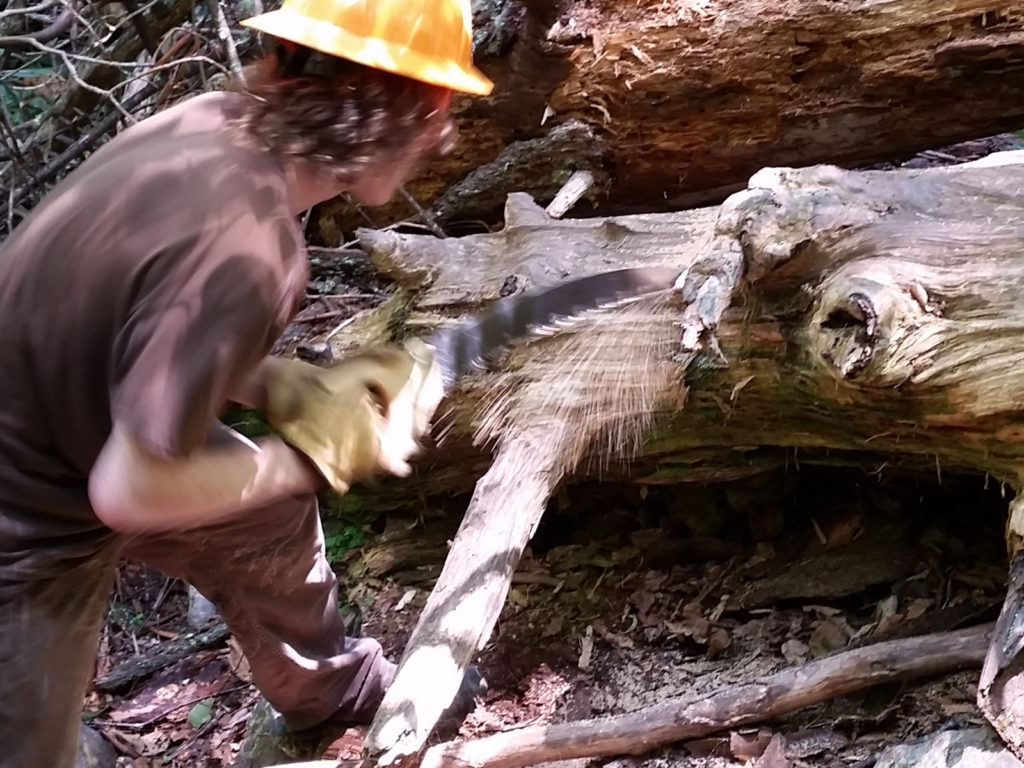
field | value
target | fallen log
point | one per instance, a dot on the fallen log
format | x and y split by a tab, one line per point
876	317
732	706
686	100
870	317
163	655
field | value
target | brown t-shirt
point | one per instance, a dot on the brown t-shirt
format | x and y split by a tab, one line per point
143	289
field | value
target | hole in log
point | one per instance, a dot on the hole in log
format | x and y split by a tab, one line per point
852	326
841	319
858	313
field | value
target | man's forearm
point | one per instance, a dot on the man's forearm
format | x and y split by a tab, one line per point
135	491
253	391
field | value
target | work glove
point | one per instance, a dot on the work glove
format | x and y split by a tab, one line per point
362	415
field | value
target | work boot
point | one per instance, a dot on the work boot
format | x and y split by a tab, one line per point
268	740
471	691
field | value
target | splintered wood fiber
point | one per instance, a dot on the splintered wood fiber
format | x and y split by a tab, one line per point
590	390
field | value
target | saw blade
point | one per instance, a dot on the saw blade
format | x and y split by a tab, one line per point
472	344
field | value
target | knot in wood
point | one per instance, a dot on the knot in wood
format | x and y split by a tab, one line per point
853	325
864	314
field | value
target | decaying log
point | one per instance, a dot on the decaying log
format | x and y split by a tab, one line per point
870	316
736	705
878	317
162	656
687	100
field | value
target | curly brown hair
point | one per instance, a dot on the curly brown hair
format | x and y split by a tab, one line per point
340	115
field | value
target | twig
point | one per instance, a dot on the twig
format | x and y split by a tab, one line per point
196	735
39	8
164	591
56	164
55	29
224	33
347	296
322	316
428	218
10	206
10	135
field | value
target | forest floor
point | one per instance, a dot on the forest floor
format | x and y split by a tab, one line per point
626	597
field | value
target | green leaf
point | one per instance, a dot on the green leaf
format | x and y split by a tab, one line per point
248	422
337	543
28	72
201	713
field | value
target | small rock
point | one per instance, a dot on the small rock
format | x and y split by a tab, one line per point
969	748
200	610
316	352
814	741
94	751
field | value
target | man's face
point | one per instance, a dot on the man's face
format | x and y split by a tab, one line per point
379	182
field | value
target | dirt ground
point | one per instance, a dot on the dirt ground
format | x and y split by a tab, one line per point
626	597
607	616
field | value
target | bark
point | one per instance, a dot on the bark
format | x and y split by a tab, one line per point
162	656
885	302
686	100
867	317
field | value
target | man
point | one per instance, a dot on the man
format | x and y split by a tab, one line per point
142	296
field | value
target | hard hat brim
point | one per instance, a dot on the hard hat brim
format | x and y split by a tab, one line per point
401	60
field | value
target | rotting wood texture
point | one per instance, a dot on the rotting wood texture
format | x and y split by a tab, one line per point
867	317
687	100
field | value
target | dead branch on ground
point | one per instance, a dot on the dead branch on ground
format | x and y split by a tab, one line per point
691	717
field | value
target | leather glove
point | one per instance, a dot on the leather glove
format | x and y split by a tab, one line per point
359	416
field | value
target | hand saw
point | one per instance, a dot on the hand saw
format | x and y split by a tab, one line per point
472	344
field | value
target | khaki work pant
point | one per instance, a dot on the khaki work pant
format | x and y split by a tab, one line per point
268	576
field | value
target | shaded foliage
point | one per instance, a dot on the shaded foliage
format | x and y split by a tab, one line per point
73	72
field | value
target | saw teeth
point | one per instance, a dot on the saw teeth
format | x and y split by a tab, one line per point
489	329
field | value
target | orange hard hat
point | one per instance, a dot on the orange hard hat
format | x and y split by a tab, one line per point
428	40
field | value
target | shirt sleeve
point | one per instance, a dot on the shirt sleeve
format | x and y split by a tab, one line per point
200	324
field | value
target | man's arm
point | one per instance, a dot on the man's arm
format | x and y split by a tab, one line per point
361	416
133	490
253	391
